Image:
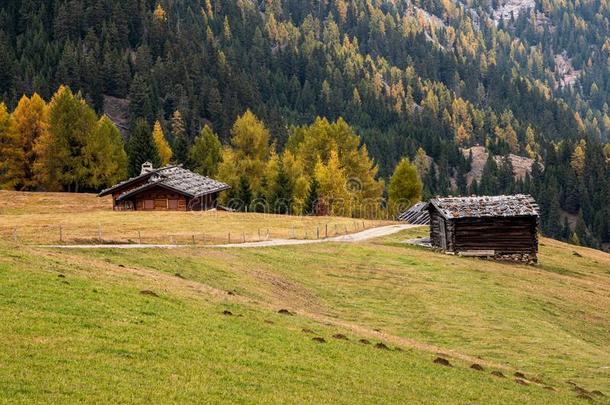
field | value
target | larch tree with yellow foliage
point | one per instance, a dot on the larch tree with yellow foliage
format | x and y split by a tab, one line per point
104	155
30	123
316	143
165	151
60	163
11	153
249	154
405	187
332	186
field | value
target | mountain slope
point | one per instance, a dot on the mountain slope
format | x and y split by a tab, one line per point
436	75
134	326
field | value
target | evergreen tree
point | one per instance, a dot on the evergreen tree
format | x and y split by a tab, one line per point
312	198
180	138
281	202
140	104
244	193
141	149
581	230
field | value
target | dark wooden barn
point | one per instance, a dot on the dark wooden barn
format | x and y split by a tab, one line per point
503	227
170	188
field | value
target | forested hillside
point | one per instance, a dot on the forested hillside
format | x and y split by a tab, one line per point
421	78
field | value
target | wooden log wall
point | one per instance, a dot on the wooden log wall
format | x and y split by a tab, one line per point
160	199
502	234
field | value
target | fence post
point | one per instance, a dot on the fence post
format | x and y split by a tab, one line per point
140	237
193	239
15	234
326	230
99	232
267	238
61	233
317	232
229	237
243	237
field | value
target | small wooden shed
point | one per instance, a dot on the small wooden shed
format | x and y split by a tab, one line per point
503	227
170	188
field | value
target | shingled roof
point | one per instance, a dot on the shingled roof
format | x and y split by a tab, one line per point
478	207
416	215
173	178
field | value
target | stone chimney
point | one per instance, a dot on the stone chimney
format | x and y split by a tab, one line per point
147	167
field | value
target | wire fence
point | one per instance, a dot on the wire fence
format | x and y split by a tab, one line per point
115	234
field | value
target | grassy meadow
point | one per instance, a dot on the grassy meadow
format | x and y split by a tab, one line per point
36	218
152	325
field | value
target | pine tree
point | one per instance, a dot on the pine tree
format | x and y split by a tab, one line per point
140	104
165	152
312	198
141	149
244	193
180	138
281	201
581	230
206	153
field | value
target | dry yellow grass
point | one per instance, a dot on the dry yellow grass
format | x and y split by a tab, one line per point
84	218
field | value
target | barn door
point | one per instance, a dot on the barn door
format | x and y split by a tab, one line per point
443	234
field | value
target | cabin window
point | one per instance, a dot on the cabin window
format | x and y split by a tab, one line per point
149	204
172	204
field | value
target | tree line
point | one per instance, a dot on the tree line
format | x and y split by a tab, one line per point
324	169
405	75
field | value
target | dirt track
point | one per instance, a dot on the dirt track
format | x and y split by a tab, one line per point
350	238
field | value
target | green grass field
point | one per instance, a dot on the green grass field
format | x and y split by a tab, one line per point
36	218
148	325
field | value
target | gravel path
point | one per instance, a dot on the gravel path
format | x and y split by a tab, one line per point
351	238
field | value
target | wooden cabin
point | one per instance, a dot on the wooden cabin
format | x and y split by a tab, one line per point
502	227
170	188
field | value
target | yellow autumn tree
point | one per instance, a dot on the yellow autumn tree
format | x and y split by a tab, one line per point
165	151
578	158
159	13
422	162
60	164
104	155
11	153
249	154
299	182
30	123
508	135
405	187
332	185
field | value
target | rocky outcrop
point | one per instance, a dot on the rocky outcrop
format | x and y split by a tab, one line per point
521	164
